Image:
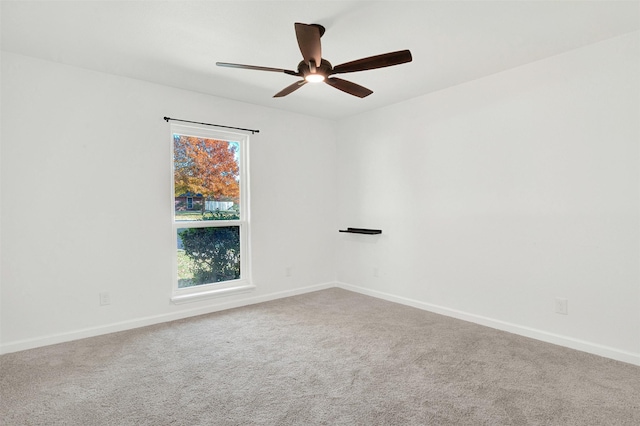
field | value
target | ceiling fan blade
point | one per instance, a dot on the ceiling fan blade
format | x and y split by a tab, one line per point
348	87
373	62
290	88
309	42
253	67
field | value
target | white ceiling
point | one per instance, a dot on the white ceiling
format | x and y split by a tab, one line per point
177	43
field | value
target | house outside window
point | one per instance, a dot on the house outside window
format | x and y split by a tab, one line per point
210	213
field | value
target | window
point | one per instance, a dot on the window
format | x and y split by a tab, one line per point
210	213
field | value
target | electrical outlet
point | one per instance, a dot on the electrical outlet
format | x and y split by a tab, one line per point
288	271
562	306
105	299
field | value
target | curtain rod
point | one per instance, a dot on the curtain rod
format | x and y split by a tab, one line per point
253	131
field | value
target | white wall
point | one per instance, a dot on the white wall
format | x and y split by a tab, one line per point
86	200
507	192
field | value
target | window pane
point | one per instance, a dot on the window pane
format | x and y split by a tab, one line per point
206	178
208	255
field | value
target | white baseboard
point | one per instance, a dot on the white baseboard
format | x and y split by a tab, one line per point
581	345
556	339
53	339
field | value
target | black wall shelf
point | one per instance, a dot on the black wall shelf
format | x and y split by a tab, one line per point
362	231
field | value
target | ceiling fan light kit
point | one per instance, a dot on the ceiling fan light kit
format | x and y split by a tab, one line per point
314	78
314	69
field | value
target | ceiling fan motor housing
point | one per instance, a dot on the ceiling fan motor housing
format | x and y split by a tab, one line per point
324	69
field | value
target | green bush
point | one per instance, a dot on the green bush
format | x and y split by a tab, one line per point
215	254
221	215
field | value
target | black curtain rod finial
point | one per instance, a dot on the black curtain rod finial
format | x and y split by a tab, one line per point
253	131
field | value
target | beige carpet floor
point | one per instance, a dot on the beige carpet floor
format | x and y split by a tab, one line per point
326	358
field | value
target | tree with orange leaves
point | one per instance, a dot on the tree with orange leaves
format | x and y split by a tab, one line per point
206	166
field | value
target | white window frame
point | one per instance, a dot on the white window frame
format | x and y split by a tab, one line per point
224	288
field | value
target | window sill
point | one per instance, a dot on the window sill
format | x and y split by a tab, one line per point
211	294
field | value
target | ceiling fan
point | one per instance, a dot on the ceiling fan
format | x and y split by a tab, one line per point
314	69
